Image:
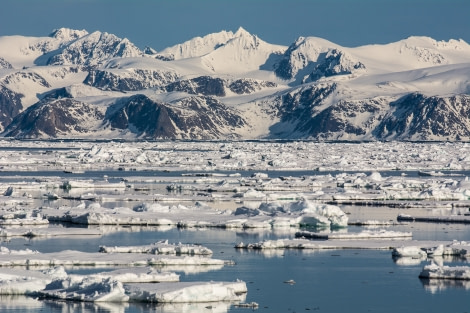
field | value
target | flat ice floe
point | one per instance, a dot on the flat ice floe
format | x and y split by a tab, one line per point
456	248
48	232
123	285
434	271
161	247
75	258
401	246
437	219
380	234
108	290
299	213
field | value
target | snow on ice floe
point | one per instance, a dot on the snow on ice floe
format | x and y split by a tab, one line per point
434	271
108	290
76	258
16	218
348	182
380	234
455	248
48	232
299	213
404	249
122	285
438	219
28	282
161	247
298	243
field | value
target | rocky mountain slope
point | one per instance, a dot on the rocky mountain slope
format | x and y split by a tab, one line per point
233	85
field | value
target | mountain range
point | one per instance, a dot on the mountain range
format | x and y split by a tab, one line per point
233	85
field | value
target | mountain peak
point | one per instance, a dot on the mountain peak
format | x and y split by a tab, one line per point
241	32
197	46
67	34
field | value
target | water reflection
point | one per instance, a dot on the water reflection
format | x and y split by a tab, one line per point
437	285
85	307
27	304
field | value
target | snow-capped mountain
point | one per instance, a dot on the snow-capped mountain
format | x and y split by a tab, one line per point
309	59
233	85
94	49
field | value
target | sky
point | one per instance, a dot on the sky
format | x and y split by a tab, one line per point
163	23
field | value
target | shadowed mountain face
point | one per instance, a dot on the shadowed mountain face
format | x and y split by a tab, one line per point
54	117
191	118
418	117
10	106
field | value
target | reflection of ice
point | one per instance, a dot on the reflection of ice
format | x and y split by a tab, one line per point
436	285
89	307
19	303
409	260
213	307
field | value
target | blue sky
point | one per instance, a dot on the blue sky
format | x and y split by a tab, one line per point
162	23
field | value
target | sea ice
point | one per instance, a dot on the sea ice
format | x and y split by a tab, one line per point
188	292
75	258
434	271
380	234
161	247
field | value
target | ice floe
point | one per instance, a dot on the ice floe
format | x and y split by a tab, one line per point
295	214
161	247
434	271
131	284
380	234
74	258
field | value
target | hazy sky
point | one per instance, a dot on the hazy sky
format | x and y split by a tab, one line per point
162	23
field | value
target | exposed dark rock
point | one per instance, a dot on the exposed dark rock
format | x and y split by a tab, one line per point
17	76
417	117
150	51
202	85
137	80
189	118
334	62
165	57
213	86
248	86
52	118
57	94
10	106
5	64
306	114
306	60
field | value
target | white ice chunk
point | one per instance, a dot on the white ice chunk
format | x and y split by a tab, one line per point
161	247
187	292
434	271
